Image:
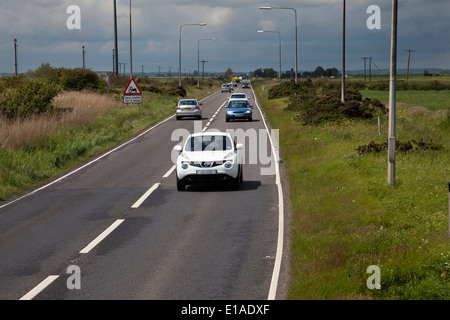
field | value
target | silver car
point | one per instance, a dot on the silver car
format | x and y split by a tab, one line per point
189	108
226	88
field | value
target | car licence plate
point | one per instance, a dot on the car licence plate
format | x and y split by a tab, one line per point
206	171
186	109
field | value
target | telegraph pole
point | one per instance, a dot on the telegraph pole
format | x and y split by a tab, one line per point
409	58
370	68
203	72
116	46
15	57
392	95
83	51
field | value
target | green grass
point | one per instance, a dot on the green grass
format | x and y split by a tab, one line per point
30	166
345	216
432	100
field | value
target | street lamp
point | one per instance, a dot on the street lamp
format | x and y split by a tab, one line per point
296	45
279	46
179	53
198	58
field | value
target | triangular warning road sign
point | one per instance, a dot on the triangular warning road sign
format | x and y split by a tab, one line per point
132	89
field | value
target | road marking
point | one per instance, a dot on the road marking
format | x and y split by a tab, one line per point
38	289
102	236
145	196
170	172
279	254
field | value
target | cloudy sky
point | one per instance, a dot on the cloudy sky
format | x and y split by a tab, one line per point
41	29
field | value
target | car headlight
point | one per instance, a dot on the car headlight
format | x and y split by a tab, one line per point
229	112
229	155
248	111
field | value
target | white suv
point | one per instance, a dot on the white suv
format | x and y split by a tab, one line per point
209	157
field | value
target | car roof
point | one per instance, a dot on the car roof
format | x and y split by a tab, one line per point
239	99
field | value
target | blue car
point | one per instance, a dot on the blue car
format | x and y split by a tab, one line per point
238	109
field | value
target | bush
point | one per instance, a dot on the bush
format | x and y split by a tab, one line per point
178	91
26	97
79	79
316	106
411	145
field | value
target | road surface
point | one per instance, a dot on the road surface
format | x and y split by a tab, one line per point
117	228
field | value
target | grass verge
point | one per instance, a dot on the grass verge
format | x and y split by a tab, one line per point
347	218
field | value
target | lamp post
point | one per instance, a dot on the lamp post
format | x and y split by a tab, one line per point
131	47
296	37
279	47
198	58
179	46
343	53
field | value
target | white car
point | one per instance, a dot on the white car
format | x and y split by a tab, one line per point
209	157
238	96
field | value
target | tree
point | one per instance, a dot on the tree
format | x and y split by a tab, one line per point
228	74
318	72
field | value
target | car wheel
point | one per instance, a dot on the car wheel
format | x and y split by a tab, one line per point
180	185
178	118
227	120
199	117
250	119
241	176
236	183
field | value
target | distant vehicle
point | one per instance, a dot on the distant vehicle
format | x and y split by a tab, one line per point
189	108
234	83
226	88
238	96
209	157
239	109
245	85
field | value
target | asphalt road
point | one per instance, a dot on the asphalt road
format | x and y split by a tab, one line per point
156	243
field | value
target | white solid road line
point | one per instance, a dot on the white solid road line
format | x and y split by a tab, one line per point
170	171
102	236
279	253
41	286
145	196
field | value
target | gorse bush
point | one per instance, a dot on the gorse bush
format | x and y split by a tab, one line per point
320	101
22	97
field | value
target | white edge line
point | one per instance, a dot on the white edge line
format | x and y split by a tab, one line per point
279	253
170	171
145	196
102	236
38	289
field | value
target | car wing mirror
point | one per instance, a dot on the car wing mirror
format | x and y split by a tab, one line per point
239	146
177	148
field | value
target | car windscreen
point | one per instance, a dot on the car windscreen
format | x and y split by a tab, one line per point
238	96
188	102
238	104
209	143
